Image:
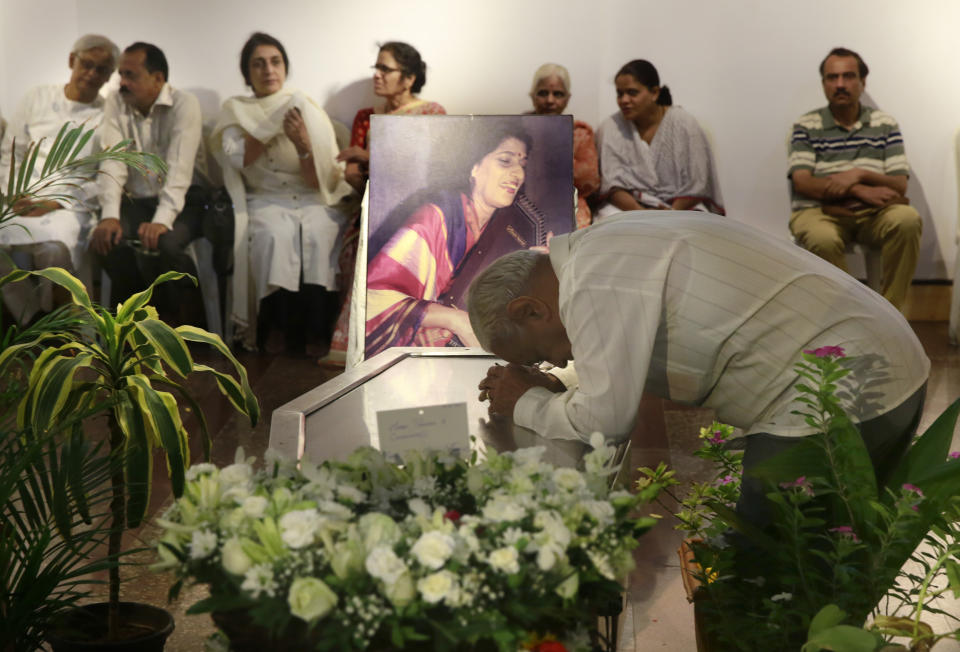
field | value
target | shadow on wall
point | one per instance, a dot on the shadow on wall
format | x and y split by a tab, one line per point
931	264
344	103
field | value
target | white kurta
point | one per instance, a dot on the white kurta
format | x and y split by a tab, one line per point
710	312
283	227
41	114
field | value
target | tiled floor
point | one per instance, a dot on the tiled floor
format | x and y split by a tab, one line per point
657	616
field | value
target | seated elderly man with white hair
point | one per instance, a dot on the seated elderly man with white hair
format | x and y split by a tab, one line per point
697	311
53	234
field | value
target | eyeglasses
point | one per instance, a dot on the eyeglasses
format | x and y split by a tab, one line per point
386	70
88	65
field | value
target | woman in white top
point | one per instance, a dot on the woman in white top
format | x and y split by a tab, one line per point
278	152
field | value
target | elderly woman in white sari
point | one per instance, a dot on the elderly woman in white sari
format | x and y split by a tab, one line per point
654	155
278	153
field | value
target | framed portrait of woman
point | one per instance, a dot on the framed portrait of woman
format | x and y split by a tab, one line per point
448	195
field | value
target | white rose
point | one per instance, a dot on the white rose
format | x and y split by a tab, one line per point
236	474
202	544
309	598
503	508
436	586
254	506
297	528
383	564
378	529
433	549
568	479
233	558
505	560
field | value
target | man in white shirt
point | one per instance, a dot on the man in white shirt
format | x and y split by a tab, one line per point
52	233
697	311
146	225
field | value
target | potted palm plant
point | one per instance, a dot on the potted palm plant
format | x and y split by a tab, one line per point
129	366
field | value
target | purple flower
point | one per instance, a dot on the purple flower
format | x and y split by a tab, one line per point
914	488
846	531
954	455
826	351
717	438
727	479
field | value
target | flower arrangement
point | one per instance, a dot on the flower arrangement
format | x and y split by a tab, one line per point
502	554
829	572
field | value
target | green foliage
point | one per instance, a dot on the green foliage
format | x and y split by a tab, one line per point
52	502
127	366
64	168
835	550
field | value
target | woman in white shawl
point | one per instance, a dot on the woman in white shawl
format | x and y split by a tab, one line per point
278	154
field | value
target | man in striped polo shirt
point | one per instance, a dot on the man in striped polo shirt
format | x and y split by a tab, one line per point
849	178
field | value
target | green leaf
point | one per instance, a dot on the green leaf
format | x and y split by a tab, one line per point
929	451
842	638
168	344
137	460
953	576
163	419
829	616
249	405
67	281
140	299
50	386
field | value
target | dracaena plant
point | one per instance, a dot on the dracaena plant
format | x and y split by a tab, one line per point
130	365
54	493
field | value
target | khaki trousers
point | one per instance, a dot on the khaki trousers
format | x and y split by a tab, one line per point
895	230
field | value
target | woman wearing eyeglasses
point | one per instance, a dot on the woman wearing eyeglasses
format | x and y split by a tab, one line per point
398	75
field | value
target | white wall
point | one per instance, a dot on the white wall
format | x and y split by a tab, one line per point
745	68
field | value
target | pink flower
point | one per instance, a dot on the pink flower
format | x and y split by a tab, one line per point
914	488
800	483
847	531
727	479
717	438
954	455
826	351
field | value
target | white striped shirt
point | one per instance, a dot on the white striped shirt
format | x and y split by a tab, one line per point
710	313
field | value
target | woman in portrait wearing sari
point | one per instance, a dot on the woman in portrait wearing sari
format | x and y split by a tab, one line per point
429	248
278	154
653	154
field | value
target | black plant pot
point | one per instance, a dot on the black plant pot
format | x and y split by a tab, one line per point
143	628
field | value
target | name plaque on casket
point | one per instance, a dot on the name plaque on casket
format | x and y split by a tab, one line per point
332	420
